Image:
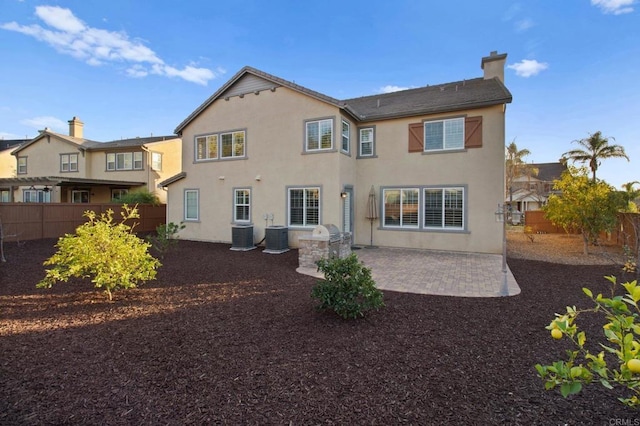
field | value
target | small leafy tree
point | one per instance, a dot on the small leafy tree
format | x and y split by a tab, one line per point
618	364
166	236
584	205
348	288
108	252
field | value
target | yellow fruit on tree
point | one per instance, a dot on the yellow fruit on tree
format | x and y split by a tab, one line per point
634	365
557	334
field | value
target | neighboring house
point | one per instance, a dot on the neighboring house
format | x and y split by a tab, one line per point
8	165
531	191
60	168
265	151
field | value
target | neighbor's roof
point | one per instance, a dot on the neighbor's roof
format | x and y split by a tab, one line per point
447	97
11	143
549	172
90	145
64	181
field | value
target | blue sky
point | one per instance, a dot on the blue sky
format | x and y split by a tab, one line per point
131	68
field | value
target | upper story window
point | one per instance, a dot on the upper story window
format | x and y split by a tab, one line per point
191	204
241	205
68	162
22	165
346	130
124	161
304	206
156	161
444	134
221	145
366	142
319	135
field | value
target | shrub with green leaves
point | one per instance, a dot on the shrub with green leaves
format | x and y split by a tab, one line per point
141	196
348	289
166	236
107	252
618	364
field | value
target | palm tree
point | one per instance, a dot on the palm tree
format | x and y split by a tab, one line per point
596	148
515	166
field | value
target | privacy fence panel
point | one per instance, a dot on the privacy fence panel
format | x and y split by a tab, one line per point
34	221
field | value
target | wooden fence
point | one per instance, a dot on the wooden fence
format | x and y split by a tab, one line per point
623	234
34	221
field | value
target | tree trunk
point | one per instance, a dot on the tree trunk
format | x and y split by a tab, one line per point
585	241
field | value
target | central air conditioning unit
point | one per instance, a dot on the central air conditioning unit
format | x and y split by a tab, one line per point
242	238
276	239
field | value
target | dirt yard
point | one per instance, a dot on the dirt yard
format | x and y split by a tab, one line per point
225	337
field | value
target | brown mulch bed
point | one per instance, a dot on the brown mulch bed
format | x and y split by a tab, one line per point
225	337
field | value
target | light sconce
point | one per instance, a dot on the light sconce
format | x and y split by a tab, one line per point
220	177
258	178
343	195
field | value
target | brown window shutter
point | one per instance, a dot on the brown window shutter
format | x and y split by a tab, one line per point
473	132
416	137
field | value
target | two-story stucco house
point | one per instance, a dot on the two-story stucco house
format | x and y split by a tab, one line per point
263	147
531	190
59	168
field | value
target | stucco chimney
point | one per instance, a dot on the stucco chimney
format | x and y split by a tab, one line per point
75	128
493	65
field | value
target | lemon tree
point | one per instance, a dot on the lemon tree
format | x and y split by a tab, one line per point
618	364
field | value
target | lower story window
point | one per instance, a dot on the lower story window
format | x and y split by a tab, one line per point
424	208
191	204
5	195
117	194
242	205
80	196
304	206
401	207
444	208
36	196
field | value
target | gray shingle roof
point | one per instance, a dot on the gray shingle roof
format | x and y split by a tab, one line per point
447	97
549	172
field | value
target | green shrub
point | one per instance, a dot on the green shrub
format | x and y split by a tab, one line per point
618	364
347	289
166	236
142	196
110	253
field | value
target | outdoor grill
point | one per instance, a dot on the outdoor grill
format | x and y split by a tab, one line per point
331	232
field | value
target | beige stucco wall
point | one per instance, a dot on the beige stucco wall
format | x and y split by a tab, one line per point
274	124
478	170
7	163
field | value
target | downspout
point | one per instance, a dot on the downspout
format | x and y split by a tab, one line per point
145	149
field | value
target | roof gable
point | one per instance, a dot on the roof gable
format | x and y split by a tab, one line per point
78	143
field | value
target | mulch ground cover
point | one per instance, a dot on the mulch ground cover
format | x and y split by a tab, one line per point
226	337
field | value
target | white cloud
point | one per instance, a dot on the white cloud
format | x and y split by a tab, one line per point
615	7
391	88
40	123
528	67
524	24
69	35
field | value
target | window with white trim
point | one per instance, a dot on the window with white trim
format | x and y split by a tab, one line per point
346	130
221	145
444	208
303	206
36	196
124	161
319	135
444	134
156	161
5	195
22	165
191	204
401	206
68	162
242	205
366	142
